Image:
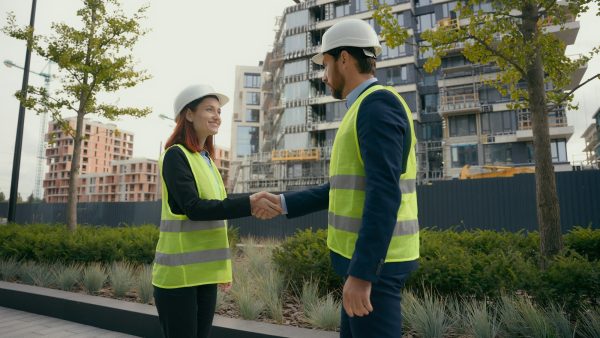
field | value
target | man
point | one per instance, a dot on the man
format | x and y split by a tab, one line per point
373	231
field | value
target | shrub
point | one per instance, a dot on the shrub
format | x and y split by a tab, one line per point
305	256
66	276
144	288
584	241
94	276
121	278
326	313
9	269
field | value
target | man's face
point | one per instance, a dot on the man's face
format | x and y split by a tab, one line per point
332	75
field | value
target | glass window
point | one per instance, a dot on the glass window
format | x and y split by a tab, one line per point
296	19
252	115
293	68
463	125
559	151
464	154
508	153
420	3
361	6
296	141
425	22
247	140
342	10
294	116
335	111
253	98
501	122
429	103
448	10
297	90
400	19
251	80
390	53
295	43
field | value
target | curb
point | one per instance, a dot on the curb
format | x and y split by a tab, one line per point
130	318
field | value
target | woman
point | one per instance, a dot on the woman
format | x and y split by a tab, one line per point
192	254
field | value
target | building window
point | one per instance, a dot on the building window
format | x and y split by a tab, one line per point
464	154
294	68
429	103
297	19
559	151
361	6
425	22
463	125
508	153
253	98
419	3
295	43
391	53
247	140
342	10
251	80
252	115
501	122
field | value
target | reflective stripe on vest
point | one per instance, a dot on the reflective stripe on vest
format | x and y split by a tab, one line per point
347	191
352	224
192	257
170	225
190	253
354	182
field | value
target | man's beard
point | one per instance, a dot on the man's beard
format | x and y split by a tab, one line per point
336	93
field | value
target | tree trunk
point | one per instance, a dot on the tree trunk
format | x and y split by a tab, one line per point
548	210
84	96
74	173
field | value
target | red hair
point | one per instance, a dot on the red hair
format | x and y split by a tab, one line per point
185	135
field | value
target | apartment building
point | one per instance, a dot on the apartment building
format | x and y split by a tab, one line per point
107	170
458	119
247	113
222	160
592	142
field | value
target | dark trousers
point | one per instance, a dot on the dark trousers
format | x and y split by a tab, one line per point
386	319
186	312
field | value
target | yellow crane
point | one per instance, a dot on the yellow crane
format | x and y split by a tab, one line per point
494	171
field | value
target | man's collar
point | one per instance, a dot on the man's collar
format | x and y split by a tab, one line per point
355	93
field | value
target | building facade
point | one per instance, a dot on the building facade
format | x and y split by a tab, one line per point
106	166
246	133
222	160
458	119
592	142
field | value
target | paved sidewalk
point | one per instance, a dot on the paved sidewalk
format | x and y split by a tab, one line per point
19	324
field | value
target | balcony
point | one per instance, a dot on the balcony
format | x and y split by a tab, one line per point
461	103
557	124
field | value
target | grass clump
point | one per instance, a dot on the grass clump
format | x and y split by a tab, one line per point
94	276
325	314
143	285
67	276
121	278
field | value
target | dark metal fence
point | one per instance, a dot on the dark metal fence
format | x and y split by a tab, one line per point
501	203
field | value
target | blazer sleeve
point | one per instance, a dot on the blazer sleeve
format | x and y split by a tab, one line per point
384	140
304	202
183	196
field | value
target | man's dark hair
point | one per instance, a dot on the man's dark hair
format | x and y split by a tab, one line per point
366	64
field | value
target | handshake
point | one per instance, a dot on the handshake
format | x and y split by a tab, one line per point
265	205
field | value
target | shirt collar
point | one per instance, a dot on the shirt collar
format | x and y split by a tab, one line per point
355	93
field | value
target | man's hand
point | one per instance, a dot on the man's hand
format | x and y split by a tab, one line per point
357	297
265	205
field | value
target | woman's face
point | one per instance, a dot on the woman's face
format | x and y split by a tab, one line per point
206	118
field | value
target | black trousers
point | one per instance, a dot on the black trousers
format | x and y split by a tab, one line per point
186	312
386	319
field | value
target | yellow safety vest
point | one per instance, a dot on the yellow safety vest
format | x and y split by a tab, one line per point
189	252
347	191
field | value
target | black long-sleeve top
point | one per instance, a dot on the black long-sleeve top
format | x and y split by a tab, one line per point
183	196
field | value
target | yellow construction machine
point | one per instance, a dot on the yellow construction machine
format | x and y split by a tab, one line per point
491	171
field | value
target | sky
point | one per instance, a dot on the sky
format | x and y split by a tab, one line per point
190	42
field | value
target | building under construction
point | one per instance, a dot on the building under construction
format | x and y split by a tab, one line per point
459	120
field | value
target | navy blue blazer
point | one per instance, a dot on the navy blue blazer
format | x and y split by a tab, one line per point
384	139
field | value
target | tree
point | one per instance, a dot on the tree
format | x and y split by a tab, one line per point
94	58
2	197
514	37
19	198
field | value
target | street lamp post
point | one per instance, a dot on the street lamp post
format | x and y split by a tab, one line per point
14	183
37	189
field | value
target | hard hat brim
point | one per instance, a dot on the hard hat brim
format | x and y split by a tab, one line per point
318	59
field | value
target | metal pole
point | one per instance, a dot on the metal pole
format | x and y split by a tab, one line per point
14	183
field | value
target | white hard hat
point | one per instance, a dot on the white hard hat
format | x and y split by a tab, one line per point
349	33
194	92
